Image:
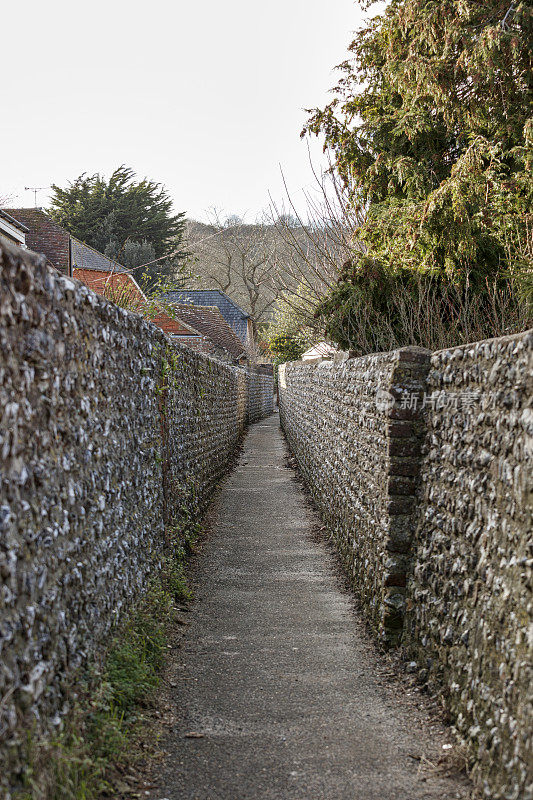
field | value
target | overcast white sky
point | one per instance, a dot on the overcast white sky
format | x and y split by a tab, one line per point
206	97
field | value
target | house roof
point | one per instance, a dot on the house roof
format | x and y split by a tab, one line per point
43	235
86	257
205	297
319	350
232	313
97	271
99	280
13	221
175	327
209	321
102	280
47	236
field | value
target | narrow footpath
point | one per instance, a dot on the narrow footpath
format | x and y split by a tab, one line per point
277	691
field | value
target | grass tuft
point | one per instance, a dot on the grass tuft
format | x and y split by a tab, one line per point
108	711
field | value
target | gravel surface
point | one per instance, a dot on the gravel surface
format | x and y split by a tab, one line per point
275	689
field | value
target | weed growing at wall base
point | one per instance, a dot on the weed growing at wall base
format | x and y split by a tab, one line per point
108	715
59	614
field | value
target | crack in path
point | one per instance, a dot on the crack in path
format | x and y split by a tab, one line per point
277	689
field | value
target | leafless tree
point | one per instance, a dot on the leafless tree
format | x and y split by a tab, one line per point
285	254
315	244
239	258
6	200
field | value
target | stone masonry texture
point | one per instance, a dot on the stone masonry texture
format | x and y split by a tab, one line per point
421	467
259	391
471	620
359	452
107	432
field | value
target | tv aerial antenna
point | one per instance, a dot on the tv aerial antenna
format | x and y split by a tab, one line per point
36	189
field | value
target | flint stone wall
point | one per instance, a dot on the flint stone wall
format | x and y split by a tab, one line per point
260	391
456	494
106	431
359	455
470	626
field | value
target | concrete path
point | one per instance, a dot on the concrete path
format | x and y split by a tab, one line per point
275	674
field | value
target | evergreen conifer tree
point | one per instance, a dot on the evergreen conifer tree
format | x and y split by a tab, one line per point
129	220
431	128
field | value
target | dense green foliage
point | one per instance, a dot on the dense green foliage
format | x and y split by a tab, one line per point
128	220
154	274
131	254
431	130
374	309
286	348
286	336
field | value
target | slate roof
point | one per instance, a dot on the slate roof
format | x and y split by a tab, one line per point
208	321
232	313
223	322
85	257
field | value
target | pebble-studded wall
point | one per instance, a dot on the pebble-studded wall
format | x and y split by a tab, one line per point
106	431
260	395
471	621
359	452
462	580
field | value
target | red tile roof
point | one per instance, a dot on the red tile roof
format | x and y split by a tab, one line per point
115	286
209	321
110	279
111	285
175	327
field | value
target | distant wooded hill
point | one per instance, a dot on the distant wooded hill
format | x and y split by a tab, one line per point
255	264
